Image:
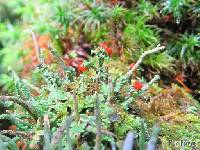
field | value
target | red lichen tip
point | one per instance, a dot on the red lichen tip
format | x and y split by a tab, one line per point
106	48
132	65
82	68
137	85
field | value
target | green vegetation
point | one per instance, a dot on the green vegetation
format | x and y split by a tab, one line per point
97	74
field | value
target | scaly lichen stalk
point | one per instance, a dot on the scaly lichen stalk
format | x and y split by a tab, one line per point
69	70
59	134
47	145
129	141
20	86
37	48
113	145
130	72
110	89
156	77
26	105
98	123
15	120
2	144
154	138
77	116
125	78
21	134
142	136
8	142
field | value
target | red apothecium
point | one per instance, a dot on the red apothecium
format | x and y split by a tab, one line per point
82	68
106	48
137	85
132	65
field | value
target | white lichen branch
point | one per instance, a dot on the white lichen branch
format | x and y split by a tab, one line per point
158	48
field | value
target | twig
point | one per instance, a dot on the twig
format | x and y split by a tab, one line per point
47	145
24	104
18	133
77	116
98	123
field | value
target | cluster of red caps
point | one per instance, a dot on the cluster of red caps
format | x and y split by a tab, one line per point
137	85
82	68
106	48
